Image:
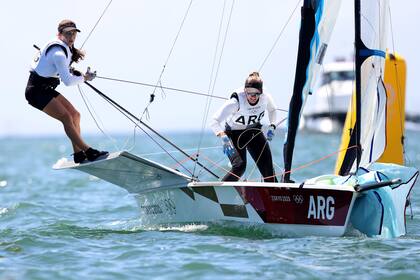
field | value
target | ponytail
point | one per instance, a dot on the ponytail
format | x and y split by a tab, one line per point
77	55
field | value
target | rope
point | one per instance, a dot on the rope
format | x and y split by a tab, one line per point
172	89
152	95
93	113
210	82
161	87
259	131
137	124
220	167
313	162
176	151
96	24
181	162
208	103
398	84
258	159
212	165
246	144
278	37
262	150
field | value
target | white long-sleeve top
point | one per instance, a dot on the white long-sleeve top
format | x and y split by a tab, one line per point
239	114
55	63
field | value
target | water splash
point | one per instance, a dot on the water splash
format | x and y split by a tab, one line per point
3	211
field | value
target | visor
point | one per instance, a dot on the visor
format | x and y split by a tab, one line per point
67	25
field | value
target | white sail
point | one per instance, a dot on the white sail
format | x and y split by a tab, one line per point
373	93
318	20
325	19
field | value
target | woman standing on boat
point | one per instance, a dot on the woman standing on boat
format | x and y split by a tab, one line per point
53	64
238	125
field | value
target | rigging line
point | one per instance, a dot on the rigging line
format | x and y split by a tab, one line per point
252	138
160	146
145	132
161	87
246	144
167	59
176	151
330	96
223	46
175	166
93	114
216	75
170	88
258	159
89	106
319	160
96	24
310	163
353	97
215	163
220	167
401	111
278	37
217	46
129	117
120	108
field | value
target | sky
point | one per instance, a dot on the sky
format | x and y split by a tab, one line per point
133	42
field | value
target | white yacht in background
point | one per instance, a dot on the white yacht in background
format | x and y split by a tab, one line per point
329	104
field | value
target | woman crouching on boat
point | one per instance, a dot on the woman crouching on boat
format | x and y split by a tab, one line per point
53	64
238	125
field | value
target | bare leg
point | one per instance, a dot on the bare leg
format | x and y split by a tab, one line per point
75	115
57	110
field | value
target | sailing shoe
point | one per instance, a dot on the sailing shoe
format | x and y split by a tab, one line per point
286	179
93	154
79	157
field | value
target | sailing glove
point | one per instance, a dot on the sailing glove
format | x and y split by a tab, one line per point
89	75
75	72
228	148
270	132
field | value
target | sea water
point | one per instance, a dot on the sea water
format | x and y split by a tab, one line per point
69	225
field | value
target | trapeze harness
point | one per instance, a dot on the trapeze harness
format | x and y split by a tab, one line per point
53	61
243	127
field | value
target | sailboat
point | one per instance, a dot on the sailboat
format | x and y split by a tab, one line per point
328	205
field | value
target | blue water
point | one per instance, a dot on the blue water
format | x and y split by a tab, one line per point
68	225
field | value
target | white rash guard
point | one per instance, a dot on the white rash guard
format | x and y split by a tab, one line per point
239	114
55	63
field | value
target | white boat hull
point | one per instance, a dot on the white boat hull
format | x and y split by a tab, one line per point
285	211
320	206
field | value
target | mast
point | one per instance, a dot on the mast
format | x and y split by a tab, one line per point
358	64
354	140
317	22
369	133
306	33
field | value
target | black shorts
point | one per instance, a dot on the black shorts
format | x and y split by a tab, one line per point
40	91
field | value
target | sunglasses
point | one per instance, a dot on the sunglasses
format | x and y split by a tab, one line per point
253	94
70	33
